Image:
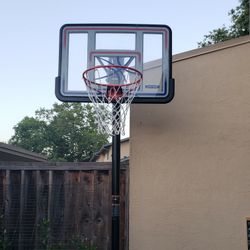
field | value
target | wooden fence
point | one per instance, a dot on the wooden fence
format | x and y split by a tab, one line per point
46	205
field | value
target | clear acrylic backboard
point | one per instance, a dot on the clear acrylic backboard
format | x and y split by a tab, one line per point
147	48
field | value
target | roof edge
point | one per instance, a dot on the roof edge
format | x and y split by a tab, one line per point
11	149
211	48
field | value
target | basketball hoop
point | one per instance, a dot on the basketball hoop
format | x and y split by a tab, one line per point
112	88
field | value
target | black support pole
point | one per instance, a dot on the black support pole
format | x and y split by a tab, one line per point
116	184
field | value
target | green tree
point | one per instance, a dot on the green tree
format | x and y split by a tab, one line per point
67	132
240	26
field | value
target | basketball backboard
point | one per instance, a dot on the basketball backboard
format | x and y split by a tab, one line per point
147	48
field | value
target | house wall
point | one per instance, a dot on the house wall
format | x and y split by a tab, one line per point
190	159
103	157
106	156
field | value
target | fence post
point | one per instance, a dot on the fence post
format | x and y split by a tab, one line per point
21	233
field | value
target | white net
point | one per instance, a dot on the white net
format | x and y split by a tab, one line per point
111	89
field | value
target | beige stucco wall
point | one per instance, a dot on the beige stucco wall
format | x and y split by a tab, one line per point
190	159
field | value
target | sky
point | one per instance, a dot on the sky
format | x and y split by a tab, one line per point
30	41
